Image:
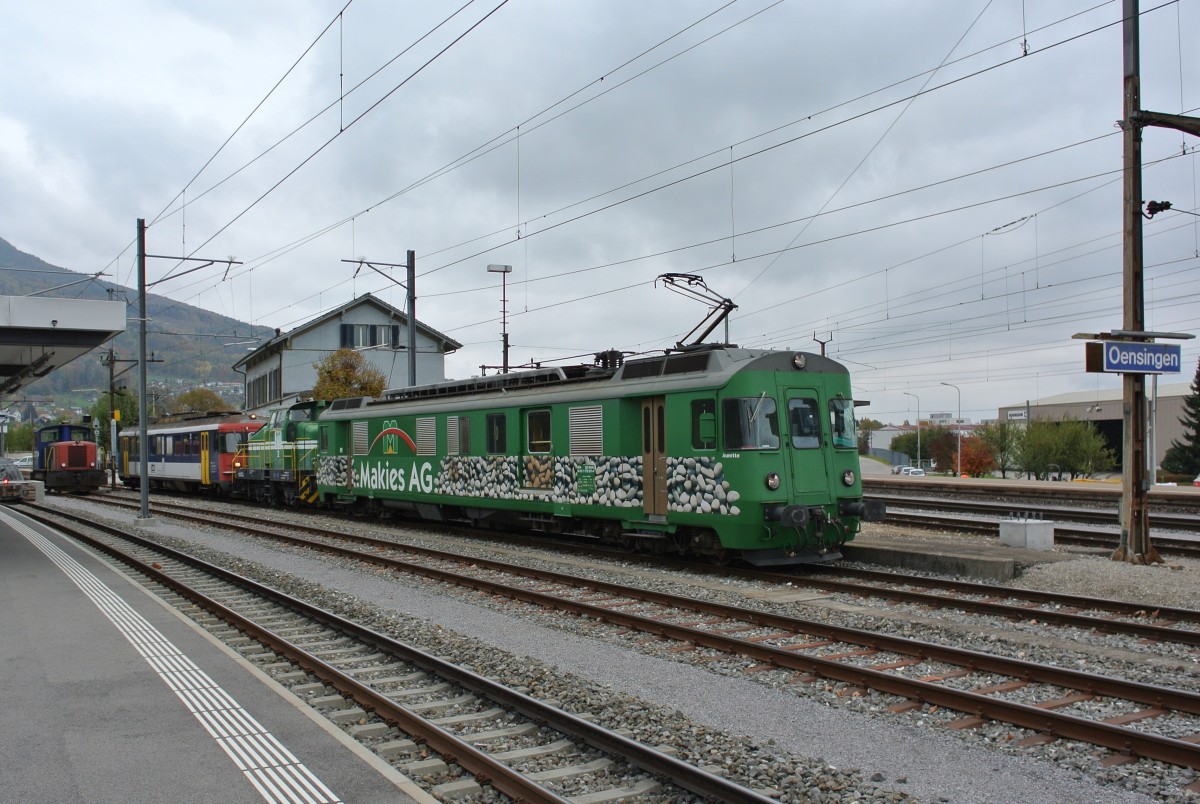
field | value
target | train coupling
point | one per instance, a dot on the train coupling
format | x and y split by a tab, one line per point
793	516
866	510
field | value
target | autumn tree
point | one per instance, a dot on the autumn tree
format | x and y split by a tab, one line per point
976	457
1003	440
941	444
197	400
931	437
346	373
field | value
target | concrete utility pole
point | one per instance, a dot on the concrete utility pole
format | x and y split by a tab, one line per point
143	416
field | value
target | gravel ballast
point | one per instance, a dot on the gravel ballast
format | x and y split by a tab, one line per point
802	739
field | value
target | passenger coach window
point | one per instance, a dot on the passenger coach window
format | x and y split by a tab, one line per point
537	430
704	424
841	416
497	440
804	423
750	423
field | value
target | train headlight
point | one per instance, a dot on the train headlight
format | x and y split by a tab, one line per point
772	481
848	477
798	360
237	464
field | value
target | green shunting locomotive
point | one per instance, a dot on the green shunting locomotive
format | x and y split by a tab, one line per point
710	450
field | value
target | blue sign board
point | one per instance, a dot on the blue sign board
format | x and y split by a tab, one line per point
1142	358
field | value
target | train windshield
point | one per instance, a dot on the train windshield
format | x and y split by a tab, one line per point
841	417
751	422
231	441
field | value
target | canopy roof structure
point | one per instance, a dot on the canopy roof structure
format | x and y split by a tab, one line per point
38	335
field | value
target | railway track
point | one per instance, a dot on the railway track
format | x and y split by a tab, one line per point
1082	537
520	746
1156	623
1034	494
1049	701
1028	509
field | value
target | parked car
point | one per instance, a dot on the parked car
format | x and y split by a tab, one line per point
24	462
917	473
905	470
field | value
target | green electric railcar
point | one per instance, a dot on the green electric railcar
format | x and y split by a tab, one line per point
718	451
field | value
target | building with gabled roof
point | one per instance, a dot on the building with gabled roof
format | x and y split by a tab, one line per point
281	371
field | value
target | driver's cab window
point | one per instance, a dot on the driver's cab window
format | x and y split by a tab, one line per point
804	424
842	425
750	422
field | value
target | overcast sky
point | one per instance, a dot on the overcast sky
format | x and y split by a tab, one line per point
896	179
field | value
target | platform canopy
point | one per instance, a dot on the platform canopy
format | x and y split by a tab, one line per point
38	335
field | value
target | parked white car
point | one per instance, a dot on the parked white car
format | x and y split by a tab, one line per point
25	461
917	473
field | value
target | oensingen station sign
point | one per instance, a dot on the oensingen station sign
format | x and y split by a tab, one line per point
1126	357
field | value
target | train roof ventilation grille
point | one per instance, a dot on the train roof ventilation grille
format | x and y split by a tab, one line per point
496	382
636	369
349	403
687	363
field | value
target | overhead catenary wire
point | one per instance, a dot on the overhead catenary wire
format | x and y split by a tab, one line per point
335	285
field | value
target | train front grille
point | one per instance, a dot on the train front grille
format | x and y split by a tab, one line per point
77	457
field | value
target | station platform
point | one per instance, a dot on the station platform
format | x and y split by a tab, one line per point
978	558
111	696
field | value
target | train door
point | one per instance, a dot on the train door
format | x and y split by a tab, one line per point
654	456
806	441
207	459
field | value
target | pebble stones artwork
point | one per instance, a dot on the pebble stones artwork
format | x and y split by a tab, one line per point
694	485
698	485
333	470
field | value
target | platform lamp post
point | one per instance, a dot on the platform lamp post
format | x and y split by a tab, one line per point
504	271
958	432
914	396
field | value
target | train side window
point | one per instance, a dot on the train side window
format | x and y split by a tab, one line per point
537	431
704	424
750	422
804	424
841	417
497	433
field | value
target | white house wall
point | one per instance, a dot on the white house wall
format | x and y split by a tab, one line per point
310	346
